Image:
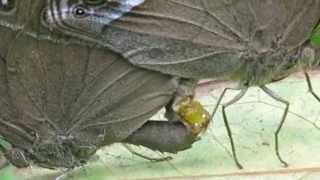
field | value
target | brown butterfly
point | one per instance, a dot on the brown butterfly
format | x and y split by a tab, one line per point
61	98
249	41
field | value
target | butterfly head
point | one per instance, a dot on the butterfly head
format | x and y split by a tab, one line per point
85	16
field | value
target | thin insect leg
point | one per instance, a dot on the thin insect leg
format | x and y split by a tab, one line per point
310	86
66	174
146	157
226	123
170	114
276	134
220	99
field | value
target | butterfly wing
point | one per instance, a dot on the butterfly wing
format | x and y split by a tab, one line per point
12	125
206	38
75	88
55	86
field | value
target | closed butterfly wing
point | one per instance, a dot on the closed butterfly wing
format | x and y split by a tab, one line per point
57	92
9	113
76	87
208	37
189	38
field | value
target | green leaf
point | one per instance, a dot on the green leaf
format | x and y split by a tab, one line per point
315	38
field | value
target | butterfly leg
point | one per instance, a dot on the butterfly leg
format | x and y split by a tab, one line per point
167	158
310	86
65	175
170	113
216	106
186	89
276	134
226	123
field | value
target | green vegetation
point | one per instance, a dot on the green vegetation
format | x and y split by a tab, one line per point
7	173
315	38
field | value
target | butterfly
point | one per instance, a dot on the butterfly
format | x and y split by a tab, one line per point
196	39
62	99
248	41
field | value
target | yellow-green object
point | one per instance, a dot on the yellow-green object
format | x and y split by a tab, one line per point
315	38
193	113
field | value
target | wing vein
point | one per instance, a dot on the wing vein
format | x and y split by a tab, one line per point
293	22
141	113
238	34
190	59
77	118
180	20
